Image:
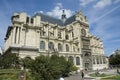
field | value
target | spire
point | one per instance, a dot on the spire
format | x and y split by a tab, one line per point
63	16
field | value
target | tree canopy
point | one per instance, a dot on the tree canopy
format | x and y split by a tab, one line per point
9	61
50	68
115	59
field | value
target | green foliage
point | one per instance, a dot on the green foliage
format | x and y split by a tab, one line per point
98	75
9	74
41	68
50	68
115	59
116	77
26	62
74	68
9	61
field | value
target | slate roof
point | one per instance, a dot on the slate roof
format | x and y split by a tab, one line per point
53	20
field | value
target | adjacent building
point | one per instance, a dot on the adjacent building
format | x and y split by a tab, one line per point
70	37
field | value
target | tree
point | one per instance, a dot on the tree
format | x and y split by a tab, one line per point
26	62
115	59
50	68
9	61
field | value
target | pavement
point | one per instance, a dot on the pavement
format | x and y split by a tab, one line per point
78	77
87	77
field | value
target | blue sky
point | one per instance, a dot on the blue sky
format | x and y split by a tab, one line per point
103	16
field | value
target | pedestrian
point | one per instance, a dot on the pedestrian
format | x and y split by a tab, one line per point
82	74
118	71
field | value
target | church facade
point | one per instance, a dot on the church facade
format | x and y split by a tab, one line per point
45	35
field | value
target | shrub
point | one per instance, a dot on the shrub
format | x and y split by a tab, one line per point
50	68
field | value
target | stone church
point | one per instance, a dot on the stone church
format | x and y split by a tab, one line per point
41	34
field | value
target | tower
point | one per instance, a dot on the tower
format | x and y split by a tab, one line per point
63	16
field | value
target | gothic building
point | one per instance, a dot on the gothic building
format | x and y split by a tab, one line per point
45	35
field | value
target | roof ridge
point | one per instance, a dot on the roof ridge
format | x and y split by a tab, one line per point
49	16
54	20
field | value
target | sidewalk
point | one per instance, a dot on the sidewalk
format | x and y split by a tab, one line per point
78	77
87	77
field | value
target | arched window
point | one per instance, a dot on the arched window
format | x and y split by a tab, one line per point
59	47
42	45
77	61
51	46
70	58
67	47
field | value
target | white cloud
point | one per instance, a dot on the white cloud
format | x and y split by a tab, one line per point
59	4
102	3
85	2
41	12
57	11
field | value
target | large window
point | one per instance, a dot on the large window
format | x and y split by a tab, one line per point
59	47
51	46
42	45
67	47
70	59
77	61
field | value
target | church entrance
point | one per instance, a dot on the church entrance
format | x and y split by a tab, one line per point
87	66
87	61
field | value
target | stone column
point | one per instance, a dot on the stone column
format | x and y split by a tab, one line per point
17	37
13	35
95	60
63	34
102	60
56	32
37	43
99	59
46	45
47	30
74	60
